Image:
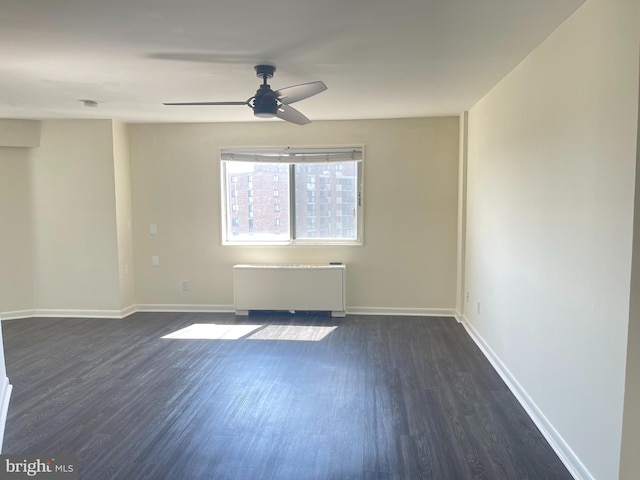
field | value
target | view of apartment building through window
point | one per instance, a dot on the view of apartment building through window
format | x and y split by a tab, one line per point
282	202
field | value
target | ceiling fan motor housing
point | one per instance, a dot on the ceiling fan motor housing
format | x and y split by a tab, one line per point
264	104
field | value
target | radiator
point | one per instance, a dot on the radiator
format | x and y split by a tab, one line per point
289	287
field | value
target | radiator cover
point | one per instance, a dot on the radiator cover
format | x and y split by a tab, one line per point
289	287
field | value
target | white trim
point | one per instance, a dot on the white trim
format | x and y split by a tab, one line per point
76	313
163	307
125	312
418	312
17	314
5	397
70	313
64	313
421	312
185	308
557	443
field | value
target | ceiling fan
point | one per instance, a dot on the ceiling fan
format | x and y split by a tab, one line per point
267	103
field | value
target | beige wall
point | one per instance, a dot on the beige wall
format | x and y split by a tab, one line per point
124	214
74	235
19	133
630	459
15	234
81	187
408	260
551	168
462	213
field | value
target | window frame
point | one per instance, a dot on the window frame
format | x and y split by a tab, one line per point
292	156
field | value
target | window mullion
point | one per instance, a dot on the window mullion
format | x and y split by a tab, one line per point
292	201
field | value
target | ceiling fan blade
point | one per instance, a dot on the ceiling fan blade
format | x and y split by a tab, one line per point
296	93
290	114
209	103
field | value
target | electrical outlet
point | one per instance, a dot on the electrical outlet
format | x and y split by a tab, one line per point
155	261
153	229
185	285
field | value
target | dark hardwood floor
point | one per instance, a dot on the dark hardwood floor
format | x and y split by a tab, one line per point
290	398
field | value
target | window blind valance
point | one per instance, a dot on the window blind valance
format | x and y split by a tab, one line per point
292	155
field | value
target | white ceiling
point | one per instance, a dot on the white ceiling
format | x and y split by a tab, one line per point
380	59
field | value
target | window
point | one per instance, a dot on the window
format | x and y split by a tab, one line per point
292	196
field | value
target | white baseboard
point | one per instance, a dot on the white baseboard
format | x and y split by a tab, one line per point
61	313
558	444
68	313
162	307
417	312
423	312
125	312
5	396
13	315
76	313
184	308
112	314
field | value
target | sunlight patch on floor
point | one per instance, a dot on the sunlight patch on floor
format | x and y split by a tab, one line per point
214	331
301	333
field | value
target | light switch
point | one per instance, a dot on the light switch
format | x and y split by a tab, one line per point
153	229
155	261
